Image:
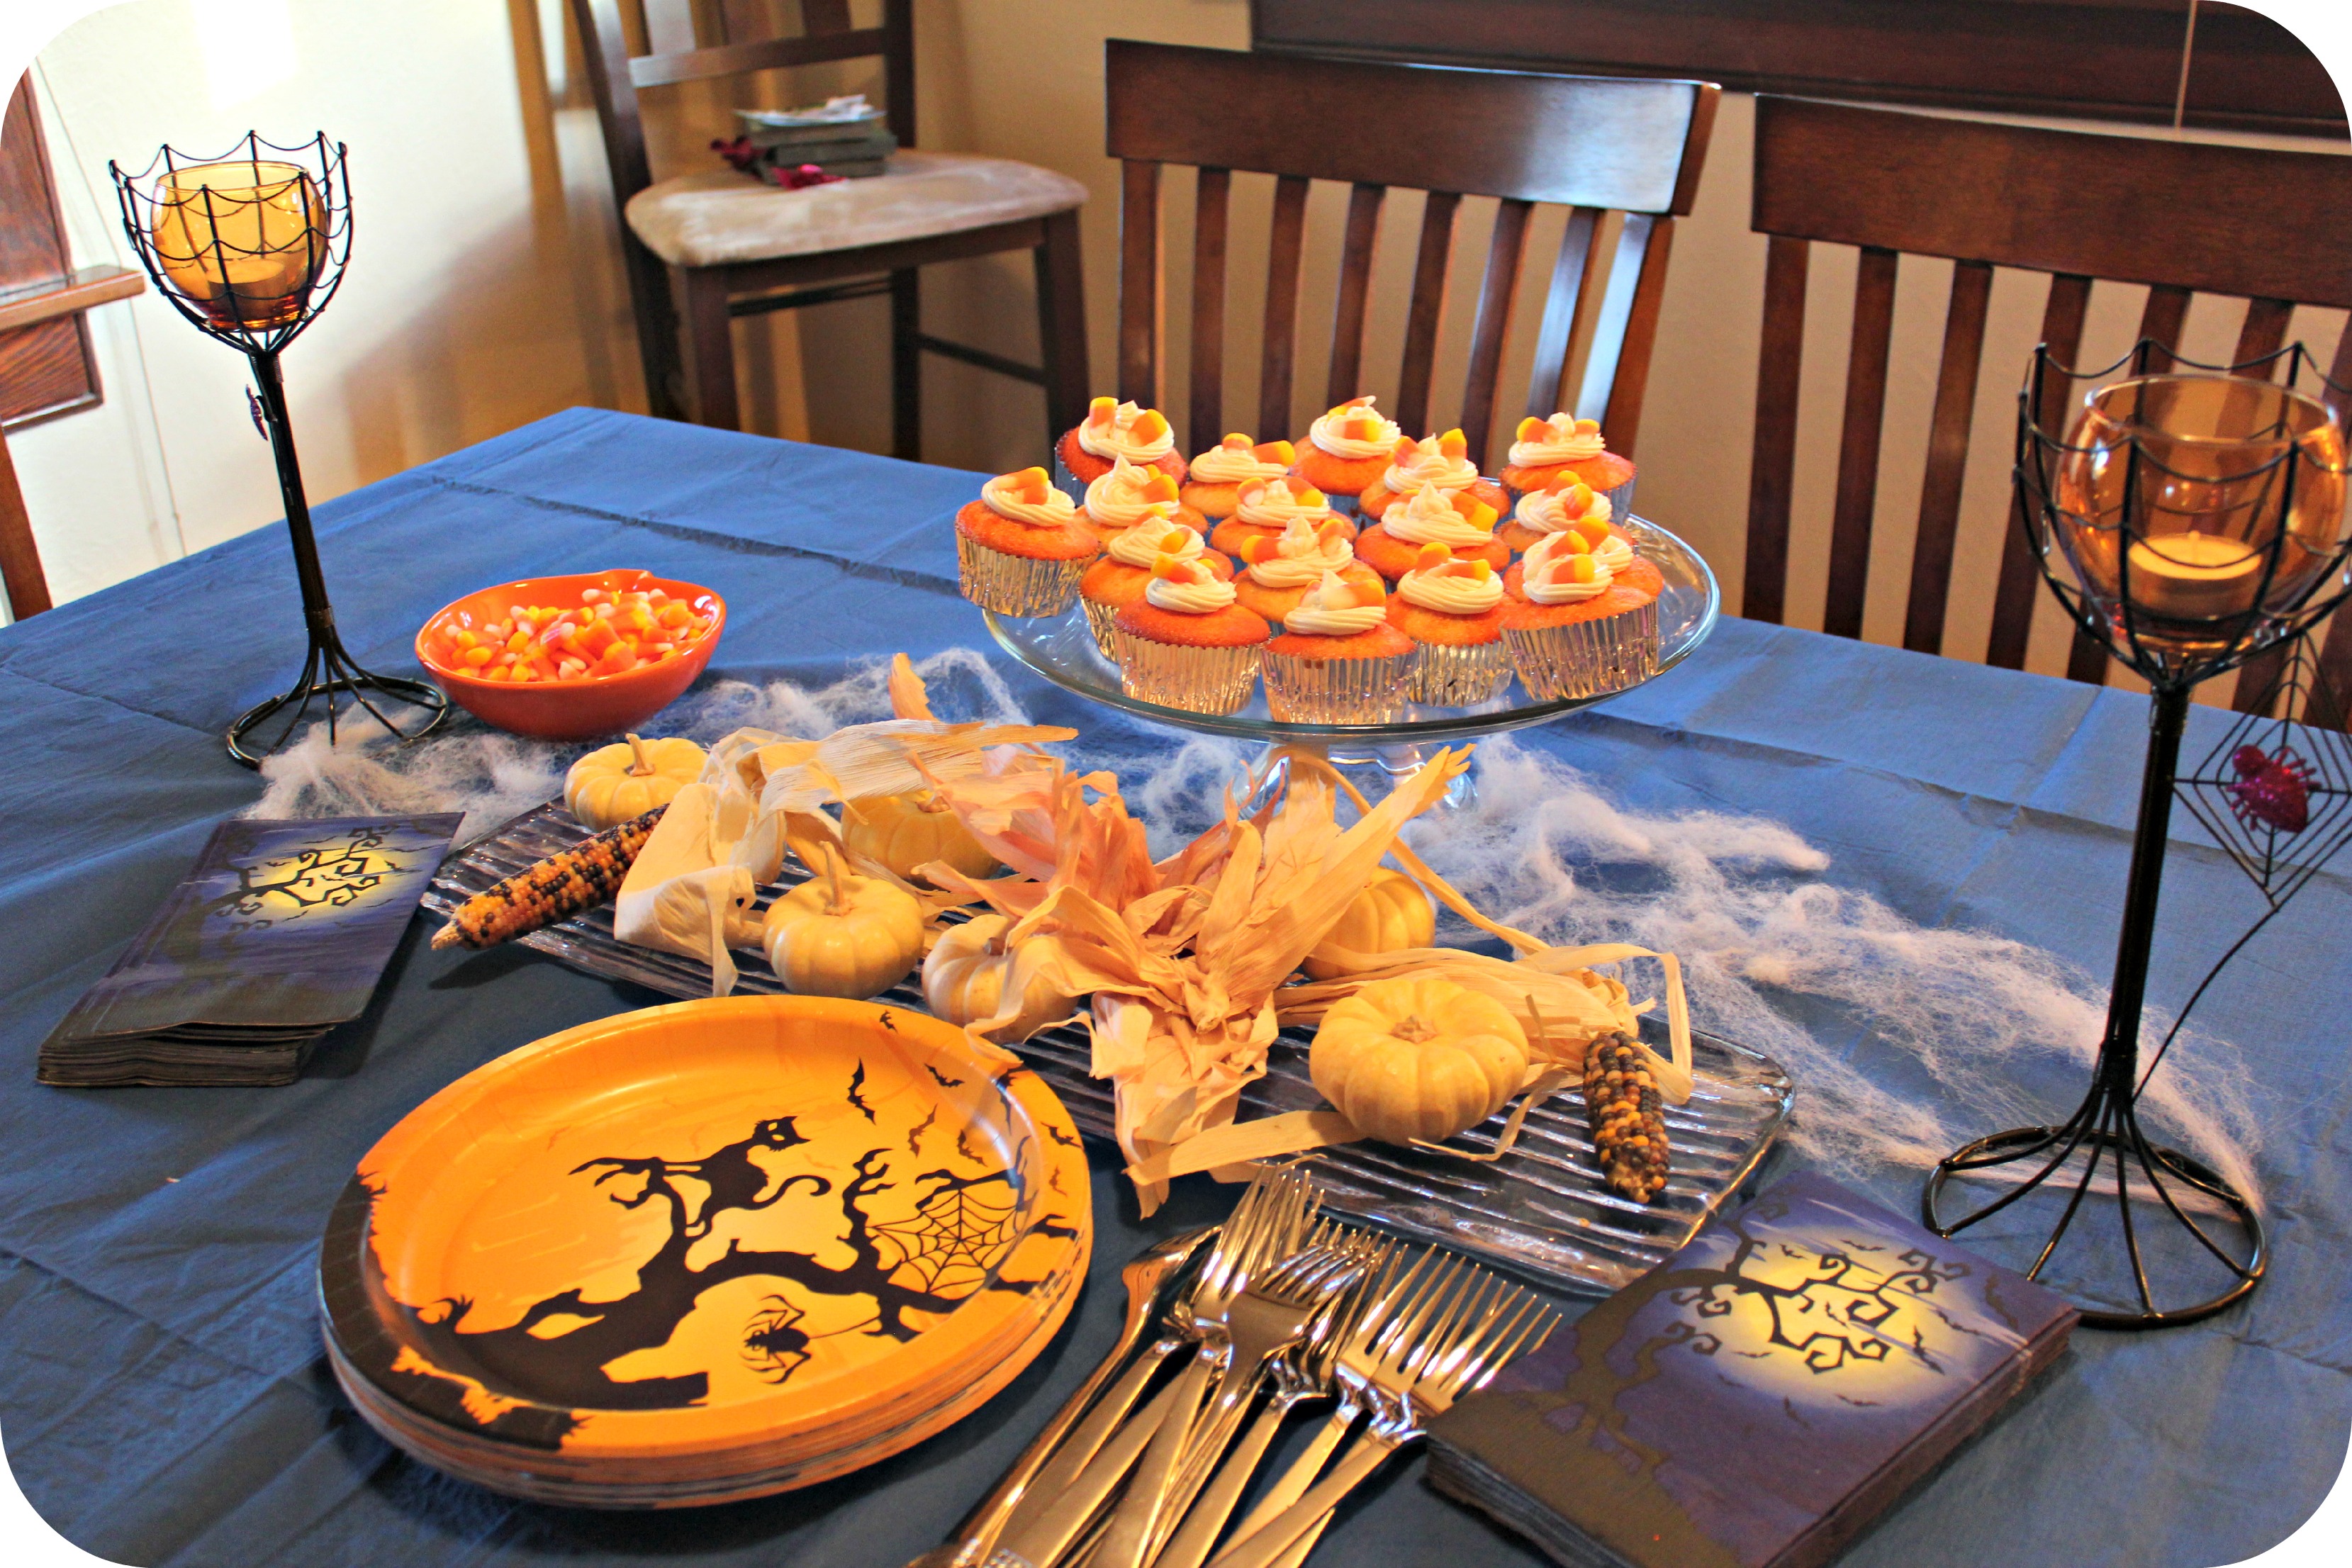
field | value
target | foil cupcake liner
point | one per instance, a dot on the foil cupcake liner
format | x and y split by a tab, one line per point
1455	674
1099	621
1068	483
1621	500
1586	658
1301	690
1197	680
1016	584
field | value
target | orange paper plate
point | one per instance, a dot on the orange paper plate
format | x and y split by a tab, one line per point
721	1238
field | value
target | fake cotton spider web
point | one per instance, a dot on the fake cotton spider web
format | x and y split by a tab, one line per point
959	1235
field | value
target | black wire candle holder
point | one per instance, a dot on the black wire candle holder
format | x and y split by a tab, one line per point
249	246
2189	523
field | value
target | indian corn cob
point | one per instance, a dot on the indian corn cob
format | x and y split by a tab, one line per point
1622	1107
551	889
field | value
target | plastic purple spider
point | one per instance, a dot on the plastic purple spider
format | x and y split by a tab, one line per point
2275	791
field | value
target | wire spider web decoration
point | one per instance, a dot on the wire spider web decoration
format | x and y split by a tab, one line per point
958	1237
2276	792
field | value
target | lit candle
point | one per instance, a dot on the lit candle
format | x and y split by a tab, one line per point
2193	576
244	240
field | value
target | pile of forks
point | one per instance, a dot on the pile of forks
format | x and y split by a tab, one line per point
1229	1332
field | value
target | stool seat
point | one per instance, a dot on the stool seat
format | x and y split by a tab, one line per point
719	218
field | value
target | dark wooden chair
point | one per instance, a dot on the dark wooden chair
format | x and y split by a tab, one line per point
1593	144
735	247
2274	229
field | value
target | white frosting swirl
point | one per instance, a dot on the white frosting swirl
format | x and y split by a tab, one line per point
1233	466
1203	599
1330	610
1325	433
1543	586
1428	466
1613	552
1546	510
1565	440
1429	518
1116	499
1455	593
1118	440
1301	556
1271	505
1144	544
1054	511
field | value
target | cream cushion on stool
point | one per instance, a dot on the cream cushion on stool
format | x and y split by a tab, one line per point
718	216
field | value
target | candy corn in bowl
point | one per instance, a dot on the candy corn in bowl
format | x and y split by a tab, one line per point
573	657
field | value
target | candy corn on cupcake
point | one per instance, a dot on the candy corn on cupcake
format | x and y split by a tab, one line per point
1346	450
1213	485
1438	462
1452	608
1564	502
1578	625
1132	494
1112	430
1118	579
1459	520
1020	548
1186	643
1276	572
1268	506
1337	660
1563	443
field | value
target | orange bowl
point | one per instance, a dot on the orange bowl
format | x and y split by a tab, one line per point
592	705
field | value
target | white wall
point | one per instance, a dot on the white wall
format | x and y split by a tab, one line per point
485	289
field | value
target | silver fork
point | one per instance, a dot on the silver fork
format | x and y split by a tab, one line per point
1290	1201
1457	1335
1302	1371
1097	1456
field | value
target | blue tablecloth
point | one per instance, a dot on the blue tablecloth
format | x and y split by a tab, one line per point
162	1394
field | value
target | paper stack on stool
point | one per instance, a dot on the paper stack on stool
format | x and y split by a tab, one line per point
842	136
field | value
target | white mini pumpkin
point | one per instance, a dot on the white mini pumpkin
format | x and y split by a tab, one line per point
904	831
843	935
1417	1059
967	974
616	783
1391	914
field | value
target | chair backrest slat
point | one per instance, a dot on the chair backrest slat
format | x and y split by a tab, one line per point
2265	331
1285	247
1773	471
1651	240
1139	282
1209	301
1355	291
1492	329
1594	145
2018	588
1948	457
1427	305
1865	419
824	16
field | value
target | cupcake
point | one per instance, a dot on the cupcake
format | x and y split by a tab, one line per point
1442	462
1266	506
1578	621
1459	520
1215	484
1453	610
1186	643
1337	660
1020	548
1563	443
1346	450
1110	431
1609	546
1128	495
1278	572
1564	501
1118	579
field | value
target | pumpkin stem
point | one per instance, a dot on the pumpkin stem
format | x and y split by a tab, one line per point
1412	1028
833	871
643	764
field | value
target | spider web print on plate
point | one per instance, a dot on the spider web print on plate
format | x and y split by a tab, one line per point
2248	789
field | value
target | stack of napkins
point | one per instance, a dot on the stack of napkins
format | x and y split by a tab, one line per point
843	136
280	933
1757	1399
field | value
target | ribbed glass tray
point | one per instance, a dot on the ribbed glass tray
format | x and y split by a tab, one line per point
1540	1211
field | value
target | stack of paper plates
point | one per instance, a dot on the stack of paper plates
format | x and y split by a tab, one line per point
704	1252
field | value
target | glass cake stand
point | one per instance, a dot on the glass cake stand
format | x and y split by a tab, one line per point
1062	649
